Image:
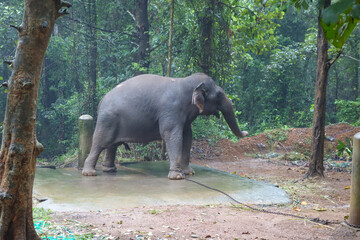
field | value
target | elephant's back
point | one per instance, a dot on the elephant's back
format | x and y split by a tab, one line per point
134	93
151	91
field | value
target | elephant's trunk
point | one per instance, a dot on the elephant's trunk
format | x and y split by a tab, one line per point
227	110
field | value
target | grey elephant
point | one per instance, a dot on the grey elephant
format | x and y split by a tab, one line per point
150	107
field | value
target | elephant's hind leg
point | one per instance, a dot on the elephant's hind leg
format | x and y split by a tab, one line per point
109	163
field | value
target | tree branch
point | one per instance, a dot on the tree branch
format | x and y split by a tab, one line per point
158	45
62	12
62	7
8	62
234	7
4	84
332	61
91	26
352	58
131	15
19	28
4	196
65	4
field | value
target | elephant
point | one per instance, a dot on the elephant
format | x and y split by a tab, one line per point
149	107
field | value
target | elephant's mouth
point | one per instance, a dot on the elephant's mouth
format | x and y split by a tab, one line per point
212	112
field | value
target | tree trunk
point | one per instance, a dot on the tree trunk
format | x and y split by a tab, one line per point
75	65
356	78
168	73
336	83
19	148
142	22
93	55
206	27
316	167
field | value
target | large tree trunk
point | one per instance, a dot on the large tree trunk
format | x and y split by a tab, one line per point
316	167
143	37
168	72
19	148
93	55
206	23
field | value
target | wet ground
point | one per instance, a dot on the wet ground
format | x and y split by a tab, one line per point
146	184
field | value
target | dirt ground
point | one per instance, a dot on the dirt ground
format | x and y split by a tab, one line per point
327	198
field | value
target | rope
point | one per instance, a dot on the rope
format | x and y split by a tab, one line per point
351	225
315	220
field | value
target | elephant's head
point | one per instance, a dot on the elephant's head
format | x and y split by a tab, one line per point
210	99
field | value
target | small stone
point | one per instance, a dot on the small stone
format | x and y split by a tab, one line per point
194	236
139	237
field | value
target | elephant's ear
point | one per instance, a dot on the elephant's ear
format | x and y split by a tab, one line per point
198	97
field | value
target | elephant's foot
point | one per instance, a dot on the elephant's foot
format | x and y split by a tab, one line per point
188	170
177	174
108	169
89	172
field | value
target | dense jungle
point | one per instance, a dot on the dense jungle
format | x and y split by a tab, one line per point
281	63
262	53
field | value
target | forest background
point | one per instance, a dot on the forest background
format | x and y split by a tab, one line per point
262	53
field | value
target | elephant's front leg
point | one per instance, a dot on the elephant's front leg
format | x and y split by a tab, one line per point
90	161
109	163
174	141
185	161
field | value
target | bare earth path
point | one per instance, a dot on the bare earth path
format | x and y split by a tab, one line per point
326	199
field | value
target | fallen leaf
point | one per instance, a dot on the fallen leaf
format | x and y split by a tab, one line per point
303	203
297	209
320	209
347	187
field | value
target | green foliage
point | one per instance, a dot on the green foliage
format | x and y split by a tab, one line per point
262	53
344	149
204	127
275	136
50	230
339	20
254	26
150	151
41	214
348	111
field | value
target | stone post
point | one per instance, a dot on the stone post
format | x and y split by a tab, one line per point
86	130
354	218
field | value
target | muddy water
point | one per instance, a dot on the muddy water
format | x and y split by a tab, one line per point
146	183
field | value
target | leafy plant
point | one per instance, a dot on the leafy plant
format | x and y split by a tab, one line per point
348	111
276	135
339	20
150	151
41	214
345	149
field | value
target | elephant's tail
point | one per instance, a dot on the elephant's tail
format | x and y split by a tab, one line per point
127	147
